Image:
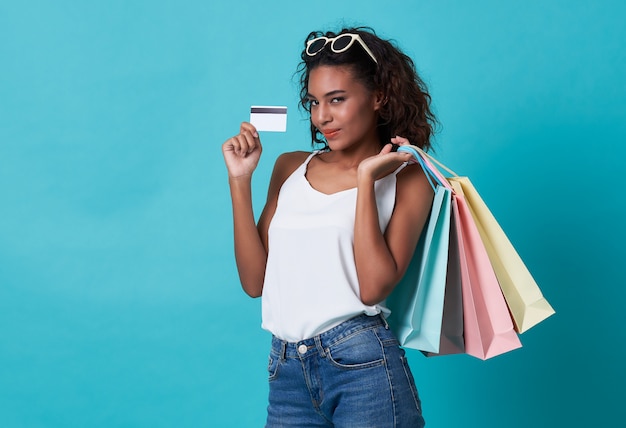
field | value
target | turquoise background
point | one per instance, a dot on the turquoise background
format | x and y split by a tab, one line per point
119	299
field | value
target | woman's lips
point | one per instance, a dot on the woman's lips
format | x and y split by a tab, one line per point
330	133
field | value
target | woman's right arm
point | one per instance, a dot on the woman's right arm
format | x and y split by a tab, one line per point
241	154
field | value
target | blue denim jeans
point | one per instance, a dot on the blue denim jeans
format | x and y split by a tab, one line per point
354	375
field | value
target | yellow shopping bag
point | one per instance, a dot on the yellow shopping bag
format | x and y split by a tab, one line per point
527	304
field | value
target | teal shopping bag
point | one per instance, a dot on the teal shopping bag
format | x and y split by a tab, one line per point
452	325
416	303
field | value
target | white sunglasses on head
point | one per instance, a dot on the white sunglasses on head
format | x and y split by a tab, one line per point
338	44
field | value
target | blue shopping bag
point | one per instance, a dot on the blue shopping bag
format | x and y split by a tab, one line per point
416	303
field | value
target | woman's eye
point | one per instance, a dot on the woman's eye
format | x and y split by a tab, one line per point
337	100
312	103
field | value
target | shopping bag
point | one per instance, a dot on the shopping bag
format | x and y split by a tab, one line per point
416	303
488	328
451	341
527	304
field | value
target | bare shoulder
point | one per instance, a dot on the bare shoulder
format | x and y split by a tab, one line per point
412	173
413	185
287	163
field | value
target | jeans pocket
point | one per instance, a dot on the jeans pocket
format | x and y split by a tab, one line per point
272	367
357	351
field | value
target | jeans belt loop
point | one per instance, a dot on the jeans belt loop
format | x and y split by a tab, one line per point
384	321
320	348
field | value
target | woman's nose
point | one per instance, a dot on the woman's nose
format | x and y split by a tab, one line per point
323	114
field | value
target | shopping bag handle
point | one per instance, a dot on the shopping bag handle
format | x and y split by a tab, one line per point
435	161
426	162
418	159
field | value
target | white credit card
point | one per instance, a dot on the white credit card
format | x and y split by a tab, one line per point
269	118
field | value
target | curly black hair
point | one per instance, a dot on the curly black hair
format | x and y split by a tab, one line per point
406	111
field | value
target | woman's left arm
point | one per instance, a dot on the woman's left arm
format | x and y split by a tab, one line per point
382	258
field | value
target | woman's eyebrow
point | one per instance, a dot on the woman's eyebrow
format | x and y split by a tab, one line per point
335	92
328	94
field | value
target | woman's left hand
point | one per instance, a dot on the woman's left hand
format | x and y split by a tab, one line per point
385	162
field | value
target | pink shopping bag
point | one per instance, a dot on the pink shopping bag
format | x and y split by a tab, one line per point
487	323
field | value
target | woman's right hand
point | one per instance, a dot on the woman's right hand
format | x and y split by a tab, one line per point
242	152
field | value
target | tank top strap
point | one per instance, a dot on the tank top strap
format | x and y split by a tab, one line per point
313	153
400	168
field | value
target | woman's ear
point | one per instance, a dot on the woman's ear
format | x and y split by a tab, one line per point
379	100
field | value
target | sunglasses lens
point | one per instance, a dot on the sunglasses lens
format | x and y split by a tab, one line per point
316	46
342	43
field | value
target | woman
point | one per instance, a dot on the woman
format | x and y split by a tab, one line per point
336	235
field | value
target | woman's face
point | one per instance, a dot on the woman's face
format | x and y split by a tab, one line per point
342	108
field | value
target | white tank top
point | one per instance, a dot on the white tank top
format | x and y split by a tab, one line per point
310	281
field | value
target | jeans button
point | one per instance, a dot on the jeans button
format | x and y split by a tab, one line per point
302	349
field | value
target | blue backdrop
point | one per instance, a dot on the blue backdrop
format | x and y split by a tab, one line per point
119	299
